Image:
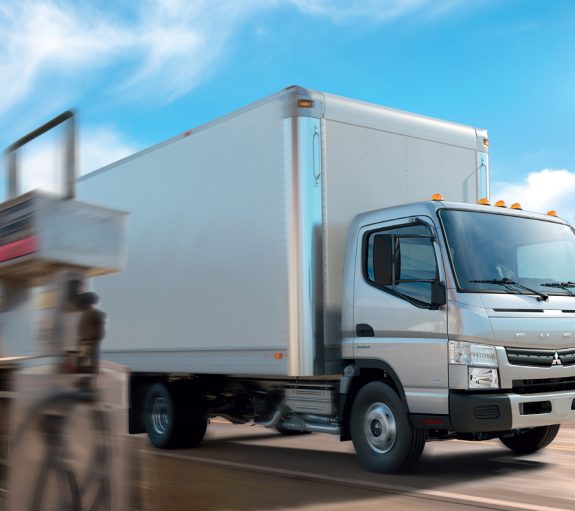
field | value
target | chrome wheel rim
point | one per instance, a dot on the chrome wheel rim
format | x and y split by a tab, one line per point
380	428
160	415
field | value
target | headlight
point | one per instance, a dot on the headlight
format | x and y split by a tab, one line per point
472	366
482	378
469	354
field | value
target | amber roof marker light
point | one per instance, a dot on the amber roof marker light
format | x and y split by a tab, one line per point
484	201
305	103
552	212
516	205
500	204
437	197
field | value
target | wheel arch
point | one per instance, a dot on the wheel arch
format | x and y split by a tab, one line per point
366	371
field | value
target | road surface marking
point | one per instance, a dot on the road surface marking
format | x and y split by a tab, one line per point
486	502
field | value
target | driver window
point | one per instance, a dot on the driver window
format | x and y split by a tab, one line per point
414	262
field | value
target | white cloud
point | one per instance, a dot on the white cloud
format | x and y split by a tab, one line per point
41	162
180	41
101	147
43	36
163	46
376	10
40	168
158	48
541	191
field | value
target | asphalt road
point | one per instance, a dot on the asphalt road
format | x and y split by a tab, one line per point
251	468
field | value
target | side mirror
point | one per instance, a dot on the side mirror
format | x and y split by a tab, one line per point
382	260
438	294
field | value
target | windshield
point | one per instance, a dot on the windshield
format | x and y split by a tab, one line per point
506	249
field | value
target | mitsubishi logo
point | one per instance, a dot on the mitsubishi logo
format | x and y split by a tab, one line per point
556	360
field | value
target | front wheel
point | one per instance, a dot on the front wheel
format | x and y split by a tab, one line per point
382	434
526	442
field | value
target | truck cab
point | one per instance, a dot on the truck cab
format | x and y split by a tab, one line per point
468	313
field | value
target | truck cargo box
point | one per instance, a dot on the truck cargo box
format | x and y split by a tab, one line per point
238	228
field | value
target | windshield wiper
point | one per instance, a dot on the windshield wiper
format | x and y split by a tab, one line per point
509	284
561	285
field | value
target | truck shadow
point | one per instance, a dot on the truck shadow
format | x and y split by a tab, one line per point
434	469
492	461
286	468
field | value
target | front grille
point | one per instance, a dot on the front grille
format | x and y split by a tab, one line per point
543	385
540	358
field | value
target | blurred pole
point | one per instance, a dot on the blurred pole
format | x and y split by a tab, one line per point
69	158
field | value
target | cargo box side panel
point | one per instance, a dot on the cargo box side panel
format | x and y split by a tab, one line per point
370	167
205	287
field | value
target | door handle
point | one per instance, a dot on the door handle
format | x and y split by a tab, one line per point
364	330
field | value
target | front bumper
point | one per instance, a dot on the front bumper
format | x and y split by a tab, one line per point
482	413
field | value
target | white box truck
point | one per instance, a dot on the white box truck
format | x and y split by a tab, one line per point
286	266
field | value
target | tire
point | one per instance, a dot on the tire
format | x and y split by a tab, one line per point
173	417
382	434
532	440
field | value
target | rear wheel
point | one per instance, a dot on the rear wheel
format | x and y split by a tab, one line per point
174	417
382	434
531	440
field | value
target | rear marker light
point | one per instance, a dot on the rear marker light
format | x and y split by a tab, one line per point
433	422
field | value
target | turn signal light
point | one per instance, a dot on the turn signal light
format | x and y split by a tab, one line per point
486	142
437	196
552	213
500	204
484	201
278	355
516	205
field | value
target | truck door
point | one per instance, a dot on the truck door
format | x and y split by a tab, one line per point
400	309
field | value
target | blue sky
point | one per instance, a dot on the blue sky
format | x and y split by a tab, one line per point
141	72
